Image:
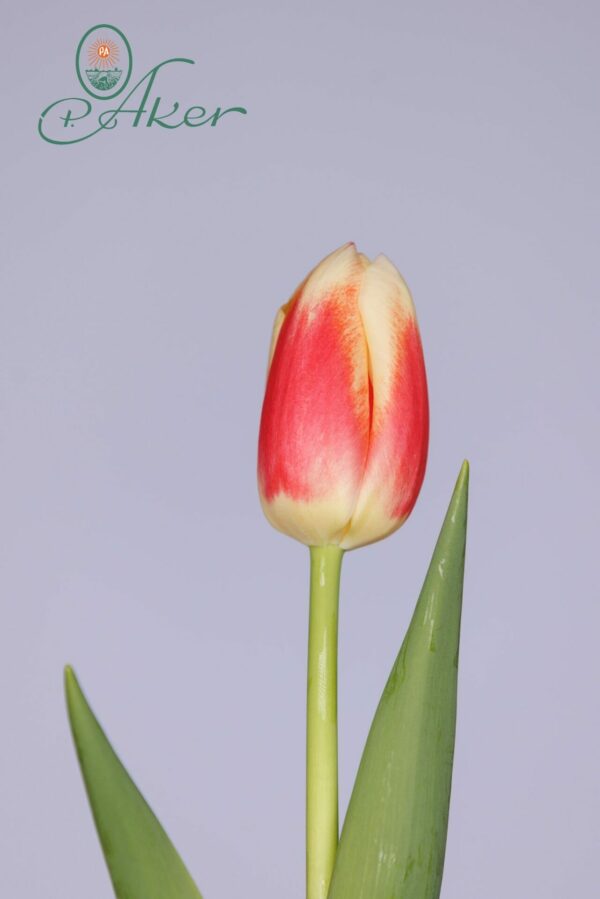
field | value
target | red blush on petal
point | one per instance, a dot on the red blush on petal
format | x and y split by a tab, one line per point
314	426
407	427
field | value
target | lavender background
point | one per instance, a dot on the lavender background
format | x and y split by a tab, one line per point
141	271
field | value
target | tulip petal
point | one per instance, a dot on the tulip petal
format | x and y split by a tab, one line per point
279	320
400	416
314	432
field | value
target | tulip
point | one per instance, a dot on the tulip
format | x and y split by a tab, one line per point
344	426
341	458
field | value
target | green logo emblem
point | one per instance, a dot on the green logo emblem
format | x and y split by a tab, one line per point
104	64
103	61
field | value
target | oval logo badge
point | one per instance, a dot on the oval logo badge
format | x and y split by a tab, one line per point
103	62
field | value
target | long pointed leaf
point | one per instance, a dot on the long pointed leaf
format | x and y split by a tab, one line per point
394	837
142	861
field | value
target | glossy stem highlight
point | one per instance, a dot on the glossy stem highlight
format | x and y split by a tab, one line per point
321	720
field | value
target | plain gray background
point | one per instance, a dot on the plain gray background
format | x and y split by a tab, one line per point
141	272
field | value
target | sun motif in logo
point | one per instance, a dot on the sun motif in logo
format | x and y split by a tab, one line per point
103	53
103	61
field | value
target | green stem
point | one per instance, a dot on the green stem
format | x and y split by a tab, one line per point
321	720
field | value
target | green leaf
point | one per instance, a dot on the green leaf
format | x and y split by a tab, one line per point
394	837
142	861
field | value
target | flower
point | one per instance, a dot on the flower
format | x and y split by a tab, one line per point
345	421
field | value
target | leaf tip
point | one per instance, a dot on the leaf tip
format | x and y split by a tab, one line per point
461	488
456	516
73	693
70	679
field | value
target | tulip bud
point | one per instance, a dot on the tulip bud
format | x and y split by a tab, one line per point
345	422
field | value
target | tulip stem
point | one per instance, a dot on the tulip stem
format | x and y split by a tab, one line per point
321	720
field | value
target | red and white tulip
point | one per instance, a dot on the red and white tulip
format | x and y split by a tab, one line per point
345	423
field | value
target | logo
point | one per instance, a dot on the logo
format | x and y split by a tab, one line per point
101	55
104	67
